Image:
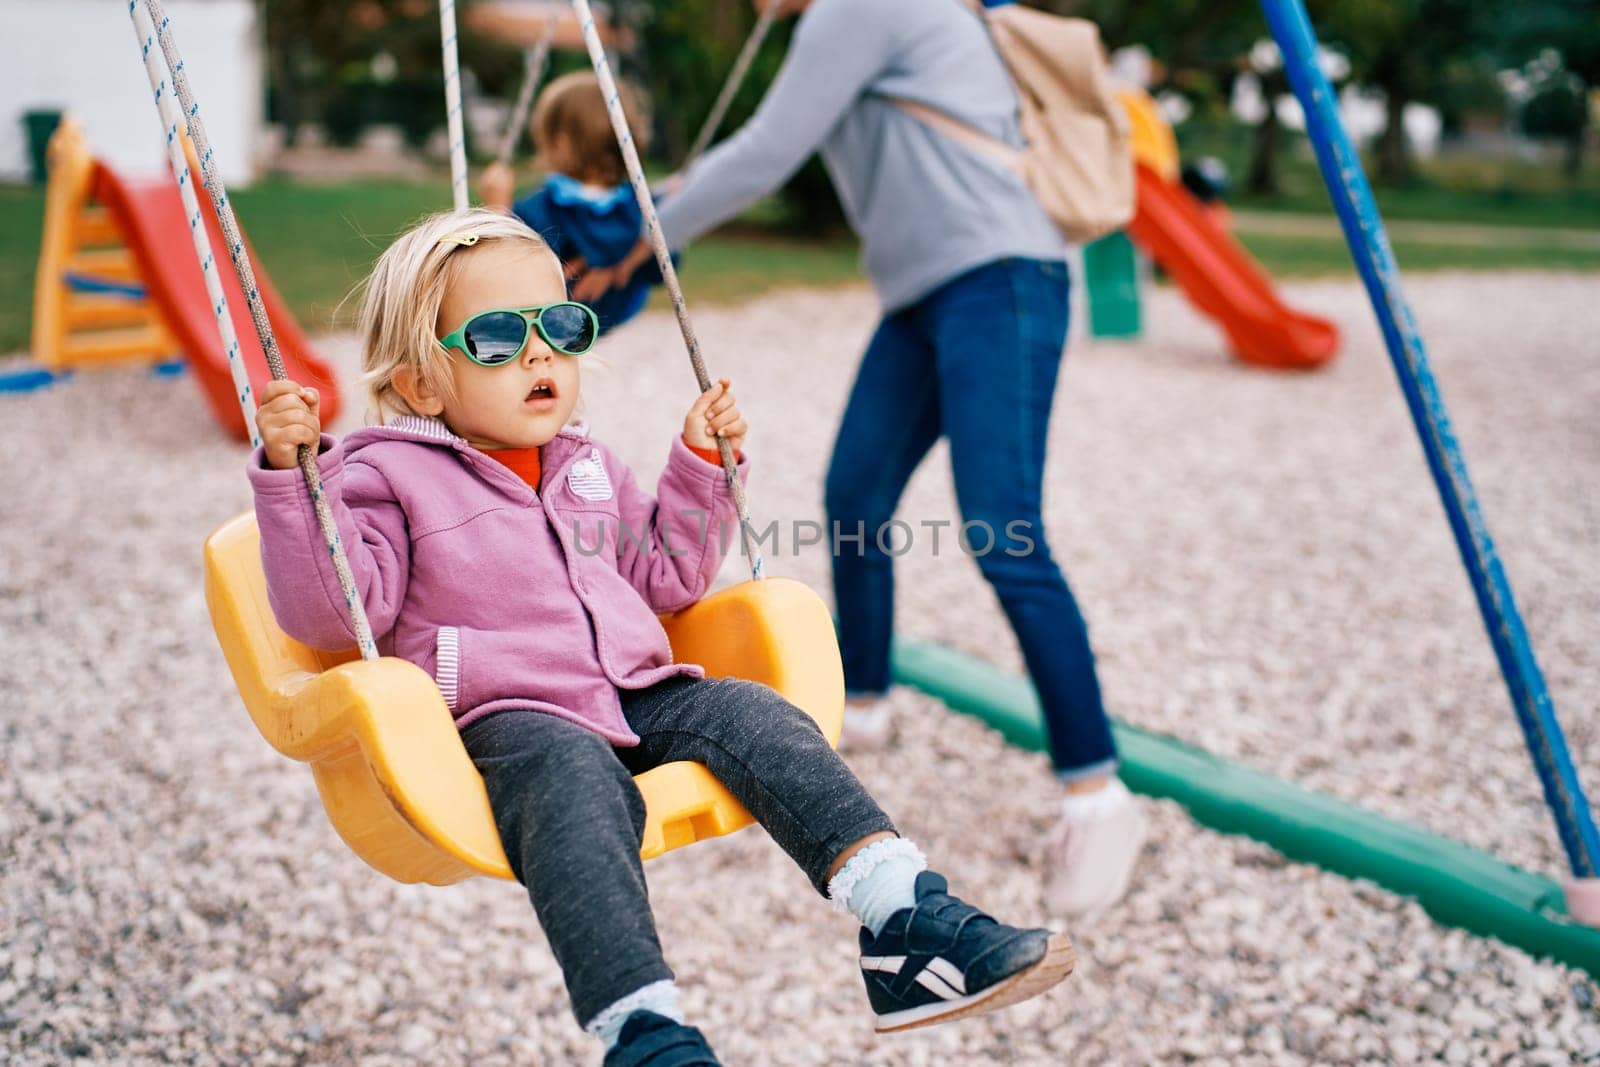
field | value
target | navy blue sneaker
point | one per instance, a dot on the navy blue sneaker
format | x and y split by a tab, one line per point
651	1040
944	959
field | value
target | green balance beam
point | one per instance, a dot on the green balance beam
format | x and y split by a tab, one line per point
1456	884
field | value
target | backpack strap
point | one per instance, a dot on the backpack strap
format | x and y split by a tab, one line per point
964	134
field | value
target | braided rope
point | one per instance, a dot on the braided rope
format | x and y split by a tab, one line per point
172	120
534	61
669	273
741	67
155	15
452	100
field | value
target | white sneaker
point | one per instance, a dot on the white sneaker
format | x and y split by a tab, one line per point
1093	850
867	727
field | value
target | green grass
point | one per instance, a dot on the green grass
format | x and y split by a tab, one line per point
739	265
1447	192
317	241
1503	192
331	234
1302	257
21	222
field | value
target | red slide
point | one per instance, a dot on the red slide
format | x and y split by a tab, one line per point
1224	281
150	215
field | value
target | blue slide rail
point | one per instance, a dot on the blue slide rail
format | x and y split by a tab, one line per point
1369	245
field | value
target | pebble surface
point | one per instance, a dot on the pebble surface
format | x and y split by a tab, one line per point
1267	573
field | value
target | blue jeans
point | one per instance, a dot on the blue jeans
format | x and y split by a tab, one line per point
975	360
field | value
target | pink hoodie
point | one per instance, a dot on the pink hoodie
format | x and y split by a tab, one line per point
507	598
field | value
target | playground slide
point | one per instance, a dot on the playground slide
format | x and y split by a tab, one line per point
150	215
1224	281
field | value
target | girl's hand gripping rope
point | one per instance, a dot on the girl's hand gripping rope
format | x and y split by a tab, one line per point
287	418
715	414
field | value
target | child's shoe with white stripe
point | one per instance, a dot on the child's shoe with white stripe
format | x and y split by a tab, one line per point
944	959
651	1040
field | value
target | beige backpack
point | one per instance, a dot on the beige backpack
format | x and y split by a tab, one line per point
1077	159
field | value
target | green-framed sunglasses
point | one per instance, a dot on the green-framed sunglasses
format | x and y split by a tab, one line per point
495	337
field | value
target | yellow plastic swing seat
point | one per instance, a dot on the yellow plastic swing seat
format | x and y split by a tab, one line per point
389	764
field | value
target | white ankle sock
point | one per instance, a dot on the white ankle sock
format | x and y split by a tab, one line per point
1098	803
878	881
867	710
660	997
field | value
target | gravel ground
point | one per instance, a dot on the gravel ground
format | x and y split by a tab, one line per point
1264	564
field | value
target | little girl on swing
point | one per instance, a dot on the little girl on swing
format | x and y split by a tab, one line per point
487	535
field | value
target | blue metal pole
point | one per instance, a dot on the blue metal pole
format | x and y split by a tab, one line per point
1369	245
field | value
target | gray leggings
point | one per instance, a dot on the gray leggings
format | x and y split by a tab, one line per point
571	818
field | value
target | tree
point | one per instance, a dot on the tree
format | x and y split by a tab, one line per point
1202	43
1559	111
1207	35
1267	63
1558	106
320	64
689	46
1407	48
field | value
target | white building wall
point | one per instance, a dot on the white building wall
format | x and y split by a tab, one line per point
81	56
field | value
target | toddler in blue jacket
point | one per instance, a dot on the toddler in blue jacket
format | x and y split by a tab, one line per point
585	210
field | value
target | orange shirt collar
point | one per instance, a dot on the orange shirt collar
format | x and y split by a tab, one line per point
523	462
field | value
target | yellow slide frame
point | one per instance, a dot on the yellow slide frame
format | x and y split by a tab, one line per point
79	329
1152	139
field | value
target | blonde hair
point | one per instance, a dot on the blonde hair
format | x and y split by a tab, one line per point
401	299
573	107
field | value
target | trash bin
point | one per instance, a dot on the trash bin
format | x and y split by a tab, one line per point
1111	276
40	125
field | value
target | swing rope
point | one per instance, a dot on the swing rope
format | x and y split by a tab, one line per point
452	96
736	76
156	26
669	274
172	120
533	64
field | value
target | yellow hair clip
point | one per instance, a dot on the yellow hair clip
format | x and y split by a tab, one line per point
465	239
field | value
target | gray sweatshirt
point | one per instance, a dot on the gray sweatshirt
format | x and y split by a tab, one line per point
927	209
